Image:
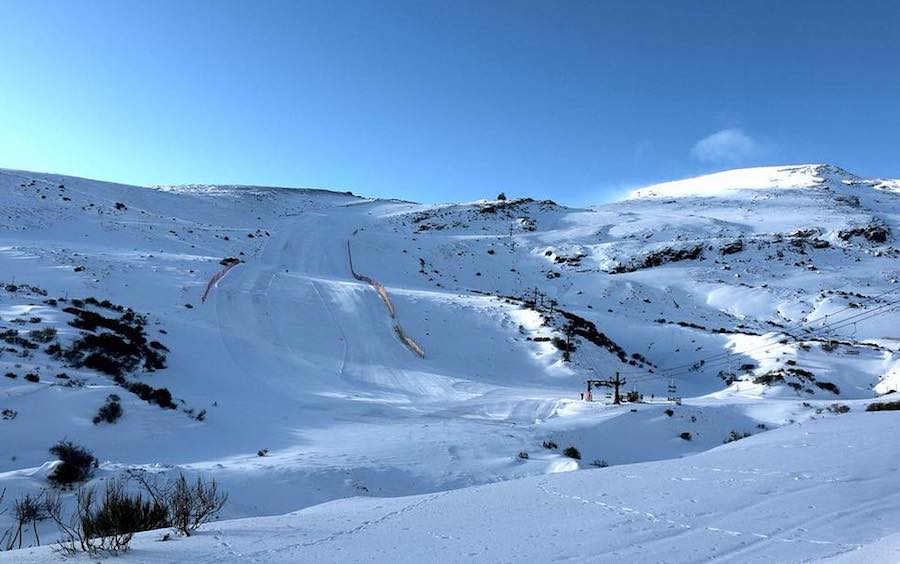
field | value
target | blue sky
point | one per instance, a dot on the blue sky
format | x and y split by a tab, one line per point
439	100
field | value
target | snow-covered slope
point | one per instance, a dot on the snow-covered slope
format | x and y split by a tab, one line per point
825	488
762	298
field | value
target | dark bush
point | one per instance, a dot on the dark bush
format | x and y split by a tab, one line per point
32	377
110	412
160	396
550	445
106	528
884	406
523	455
77	463
829	386
163	398
42	335
572	452
120	513
563	345
686	436
121	350
669	412
91	321
735	436
188	506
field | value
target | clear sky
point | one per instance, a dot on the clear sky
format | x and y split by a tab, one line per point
440	100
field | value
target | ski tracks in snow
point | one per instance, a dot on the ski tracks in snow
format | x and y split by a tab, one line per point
336	324
630	512
267	554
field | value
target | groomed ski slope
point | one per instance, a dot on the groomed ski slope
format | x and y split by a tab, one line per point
821	489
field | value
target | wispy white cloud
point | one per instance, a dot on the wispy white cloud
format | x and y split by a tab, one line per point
730	146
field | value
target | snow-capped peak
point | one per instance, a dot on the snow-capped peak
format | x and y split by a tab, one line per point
756	178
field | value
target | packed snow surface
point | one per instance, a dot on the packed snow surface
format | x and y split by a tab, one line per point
763	299
825	488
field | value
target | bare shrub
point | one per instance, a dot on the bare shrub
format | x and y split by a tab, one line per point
188	506
106	523
28	510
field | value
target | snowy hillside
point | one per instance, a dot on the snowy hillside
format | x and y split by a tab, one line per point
306	346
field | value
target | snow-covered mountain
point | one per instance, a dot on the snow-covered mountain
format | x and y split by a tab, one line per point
304	346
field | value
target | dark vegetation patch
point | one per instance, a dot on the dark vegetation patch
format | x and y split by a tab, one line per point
796	378
884	406
160	396
120	514
110	412
112	341
660	257
44	335
736	436
516	209
732	248
507	207
586	329
76	463
570	260
563	345
874	233
25	288
121	348
12	337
